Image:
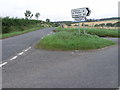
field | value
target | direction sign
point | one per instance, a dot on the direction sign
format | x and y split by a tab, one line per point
80	19
89	11
80	12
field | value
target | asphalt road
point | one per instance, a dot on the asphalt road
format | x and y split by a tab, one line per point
16	44
58	69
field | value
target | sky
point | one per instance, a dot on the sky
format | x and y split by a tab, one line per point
58	10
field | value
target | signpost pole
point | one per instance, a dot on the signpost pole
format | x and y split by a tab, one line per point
79	14
84	27
79	27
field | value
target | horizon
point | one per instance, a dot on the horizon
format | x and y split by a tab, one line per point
58	10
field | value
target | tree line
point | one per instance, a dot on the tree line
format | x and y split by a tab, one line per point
16	24
117	24
21	24
28	15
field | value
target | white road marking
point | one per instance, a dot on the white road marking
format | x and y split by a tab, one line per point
27	49
3	64
20	53
13	58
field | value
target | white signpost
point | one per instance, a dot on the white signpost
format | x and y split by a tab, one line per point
80	14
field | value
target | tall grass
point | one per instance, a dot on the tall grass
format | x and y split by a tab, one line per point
2	36
72	41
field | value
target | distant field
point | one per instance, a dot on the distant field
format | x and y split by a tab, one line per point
98	22
93	31
92	24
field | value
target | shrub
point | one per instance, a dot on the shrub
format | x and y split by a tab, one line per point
109	25
102	25
117	24
15	24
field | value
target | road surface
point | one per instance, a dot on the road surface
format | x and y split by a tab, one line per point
14	45
58	69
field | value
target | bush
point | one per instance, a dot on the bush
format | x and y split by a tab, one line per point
96	25
15	24
102	25
109	25
12	24
117	24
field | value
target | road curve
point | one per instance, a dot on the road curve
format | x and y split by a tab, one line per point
58	69
16	44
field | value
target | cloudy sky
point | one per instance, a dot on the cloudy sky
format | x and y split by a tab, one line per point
58	10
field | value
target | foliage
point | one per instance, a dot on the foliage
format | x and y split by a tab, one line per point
47	20
7	35
13	24
109	25
37	15
31	16
55	24
117	24
102	25
96	25
28	14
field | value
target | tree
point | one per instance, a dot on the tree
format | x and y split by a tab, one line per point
37	15
31	16
27	14
47	20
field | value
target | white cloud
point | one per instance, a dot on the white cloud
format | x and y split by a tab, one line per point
58	9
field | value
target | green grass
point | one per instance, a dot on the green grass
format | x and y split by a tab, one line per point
11	34
72	41
93	31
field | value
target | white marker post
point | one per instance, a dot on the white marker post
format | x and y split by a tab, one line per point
79	15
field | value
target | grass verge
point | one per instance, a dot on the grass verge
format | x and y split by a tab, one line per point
93	31
11	34
72	41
